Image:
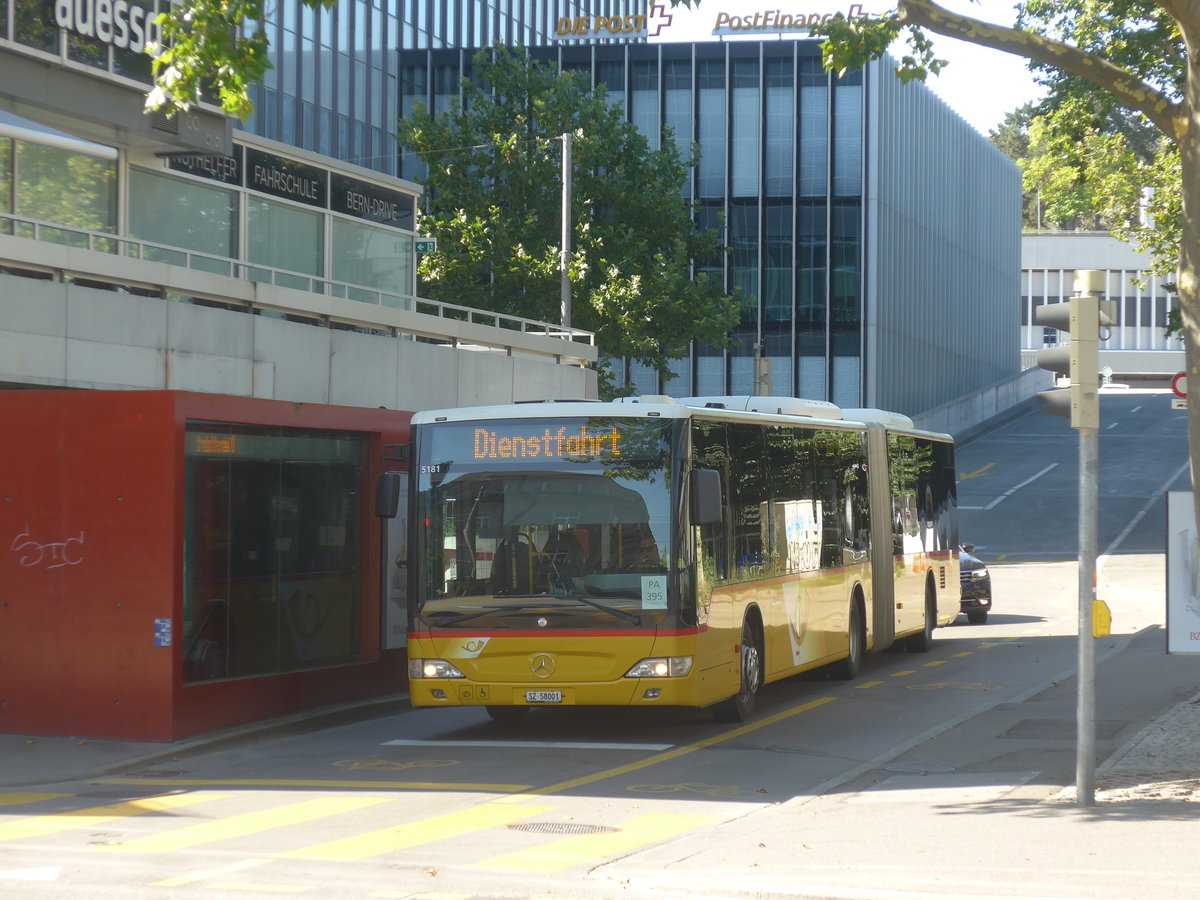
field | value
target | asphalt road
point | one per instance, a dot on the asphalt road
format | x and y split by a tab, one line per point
1019	483
446	804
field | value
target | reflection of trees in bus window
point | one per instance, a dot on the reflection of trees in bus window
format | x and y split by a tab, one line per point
748	491
923	494
710	451
797	499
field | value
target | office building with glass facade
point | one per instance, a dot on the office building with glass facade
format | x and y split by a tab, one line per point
877	233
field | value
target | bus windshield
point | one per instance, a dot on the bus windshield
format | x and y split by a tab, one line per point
543	523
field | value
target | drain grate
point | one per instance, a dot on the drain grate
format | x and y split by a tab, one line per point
561	828
157	773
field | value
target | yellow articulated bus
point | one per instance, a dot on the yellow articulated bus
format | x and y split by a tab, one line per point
669	552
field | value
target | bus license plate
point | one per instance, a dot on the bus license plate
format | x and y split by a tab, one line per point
543	696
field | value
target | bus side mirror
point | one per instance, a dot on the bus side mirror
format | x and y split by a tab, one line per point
706	497
387	494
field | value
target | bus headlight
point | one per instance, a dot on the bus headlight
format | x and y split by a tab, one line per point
661	667
432	668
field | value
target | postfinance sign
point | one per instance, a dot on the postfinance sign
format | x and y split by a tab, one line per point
775	21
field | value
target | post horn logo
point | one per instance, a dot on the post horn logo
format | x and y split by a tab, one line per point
542	665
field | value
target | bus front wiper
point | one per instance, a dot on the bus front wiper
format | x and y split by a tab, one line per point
631	618
455	618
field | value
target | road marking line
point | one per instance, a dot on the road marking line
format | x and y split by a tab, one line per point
40	826
902	673
242	825
193	877
583	848
976	473
536	745
265	888
325	783
963	653
426	831
18	798
867	684
683	750
1012	490
936	662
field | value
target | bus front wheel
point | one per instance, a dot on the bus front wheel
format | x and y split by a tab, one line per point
740	706
922	641
847	668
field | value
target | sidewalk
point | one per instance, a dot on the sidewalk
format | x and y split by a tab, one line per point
27	760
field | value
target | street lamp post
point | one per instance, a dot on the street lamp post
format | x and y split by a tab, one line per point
565	259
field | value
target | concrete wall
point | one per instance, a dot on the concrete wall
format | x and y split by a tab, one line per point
60	334
964	416
944	227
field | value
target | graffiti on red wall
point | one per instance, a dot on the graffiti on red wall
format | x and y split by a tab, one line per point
52	555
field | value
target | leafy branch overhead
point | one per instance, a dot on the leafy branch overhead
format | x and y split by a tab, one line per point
211	50
1115	69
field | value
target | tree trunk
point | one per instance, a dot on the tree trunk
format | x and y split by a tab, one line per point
1188	276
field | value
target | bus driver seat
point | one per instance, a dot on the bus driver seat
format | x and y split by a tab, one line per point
511	569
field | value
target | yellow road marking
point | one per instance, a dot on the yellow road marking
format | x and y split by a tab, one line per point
401	837
936	662
15	799
265	888
98	815
582	848
976	473
902	673
249	823
963	653
324	783
867	684
193	877
966	686
666	755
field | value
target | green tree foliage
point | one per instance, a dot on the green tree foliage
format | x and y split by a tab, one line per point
213	49
494	203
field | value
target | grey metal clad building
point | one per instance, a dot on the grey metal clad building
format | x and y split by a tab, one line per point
878	232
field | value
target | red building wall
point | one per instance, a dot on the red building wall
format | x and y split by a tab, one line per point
91	551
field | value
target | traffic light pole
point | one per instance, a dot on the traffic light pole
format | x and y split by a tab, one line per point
1083	317
1085	708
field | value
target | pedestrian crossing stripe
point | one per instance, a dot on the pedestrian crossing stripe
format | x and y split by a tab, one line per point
39	826
426	831
193	877
242	825
584	848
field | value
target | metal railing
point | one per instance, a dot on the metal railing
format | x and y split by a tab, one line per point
149	251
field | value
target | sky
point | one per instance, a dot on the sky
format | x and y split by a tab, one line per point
981	85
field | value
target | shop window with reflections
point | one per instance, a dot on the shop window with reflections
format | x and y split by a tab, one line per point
272	550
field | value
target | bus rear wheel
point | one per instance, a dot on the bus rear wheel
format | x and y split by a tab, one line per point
740	706
507	715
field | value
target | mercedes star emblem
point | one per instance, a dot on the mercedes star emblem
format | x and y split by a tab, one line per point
542	665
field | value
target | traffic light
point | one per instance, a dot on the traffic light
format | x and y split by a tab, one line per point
1083	316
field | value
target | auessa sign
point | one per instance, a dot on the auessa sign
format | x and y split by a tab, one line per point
124	25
